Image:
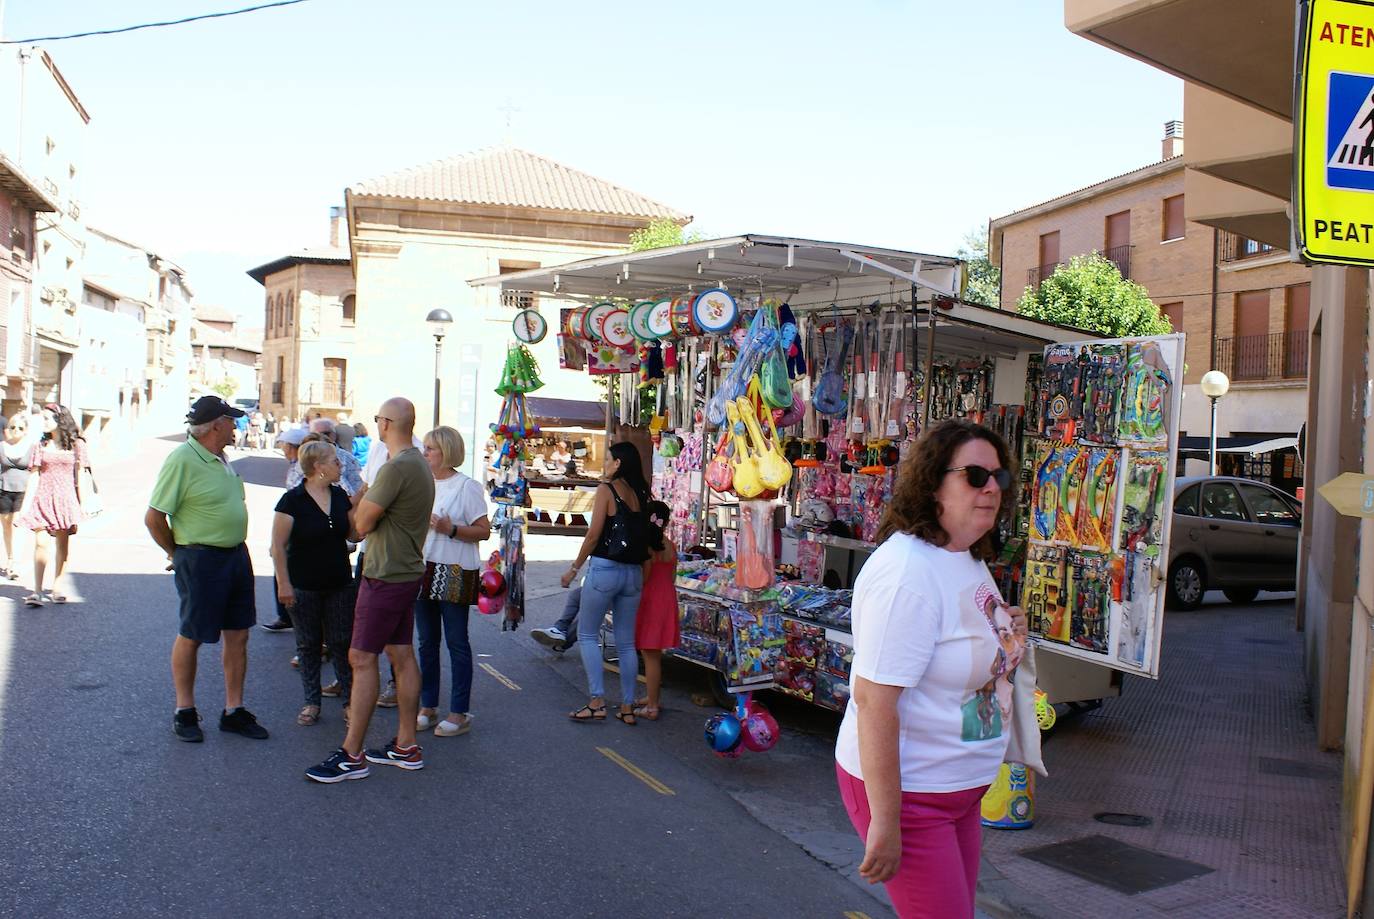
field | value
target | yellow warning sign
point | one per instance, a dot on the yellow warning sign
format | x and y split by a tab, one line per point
1333	202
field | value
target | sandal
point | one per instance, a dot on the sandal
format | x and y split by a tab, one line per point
33	599
424	722
589	713
448	728
646	711
309	715
626	717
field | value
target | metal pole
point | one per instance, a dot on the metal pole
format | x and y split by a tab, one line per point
705	437
1212	453
438	344
930	355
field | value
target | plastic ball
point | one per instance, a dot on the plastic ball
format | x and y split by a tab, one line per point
492	583
760	732
490	606
723	733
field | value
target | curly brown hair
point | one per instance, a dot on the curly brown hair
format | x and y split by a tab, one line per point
913	508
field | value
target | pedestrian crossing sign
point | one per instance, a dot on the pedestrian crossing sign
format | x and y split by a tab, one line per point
1333	162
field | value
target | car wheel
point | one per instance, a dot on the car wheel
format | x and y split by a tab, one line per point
1187	583
1242	594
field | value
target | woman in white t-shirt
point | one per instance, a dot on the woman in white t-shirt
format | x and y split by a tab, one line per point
457	524
934	653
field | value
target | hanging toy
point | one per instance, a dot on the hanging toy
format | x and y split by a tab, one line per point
723	732
761	731
796	355
490	602
651	365
669	356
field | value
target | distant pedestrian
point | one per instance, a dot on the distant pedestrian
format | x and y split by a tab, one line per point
362	443
935	649
14	476
241	431
310	557
457	524
198	516
269	426
617	543
52	503
394	513
351	479
656	620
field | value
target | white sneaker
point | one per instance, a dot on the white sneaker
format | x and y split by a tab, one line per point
551	637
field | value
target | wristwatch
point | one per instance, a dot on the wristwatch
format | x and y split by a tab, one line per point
453	533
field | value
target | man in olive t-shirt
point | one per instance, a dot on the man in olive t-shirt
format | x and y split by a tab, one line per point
394	516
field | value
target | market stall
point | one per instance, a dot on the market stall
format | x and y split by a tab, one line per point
784	379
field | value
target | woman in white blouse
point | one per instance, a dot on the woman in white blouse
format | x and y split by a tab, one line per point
457	524
935	649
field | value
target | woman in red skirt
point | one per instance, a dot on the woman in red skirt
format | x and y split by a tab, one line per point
656	622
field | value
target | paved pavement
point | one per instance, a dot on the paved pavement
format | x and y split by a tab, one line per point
529	815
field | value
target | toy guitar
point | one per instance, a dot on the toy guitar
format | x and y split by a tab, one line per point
774	469
829	398
896	411
720	474
747	482
859	388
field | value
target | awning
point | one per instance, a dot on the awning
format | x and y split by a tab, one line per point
567	413
1253	445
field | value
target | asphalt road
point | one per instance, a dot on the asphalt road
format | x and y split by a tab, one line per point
105	813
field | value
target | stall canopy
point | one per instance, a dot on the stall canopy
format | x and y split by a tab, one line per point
1251	444
566	413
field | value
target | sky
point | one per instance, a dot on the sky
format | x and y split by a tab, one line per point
904	124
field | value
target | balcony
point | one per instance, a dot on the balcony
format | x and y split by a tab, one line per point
330	395
1237	248
1252	358
1117	255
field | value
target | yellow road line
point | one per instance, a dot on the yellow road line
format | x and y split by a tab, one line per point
855	914
635	771
615	668
499	676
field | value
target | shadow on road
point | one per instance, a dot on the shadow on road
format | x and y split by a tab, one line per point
261	470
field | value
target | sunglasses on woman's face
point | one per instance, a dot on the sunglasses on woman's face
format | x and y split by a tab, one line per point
978	476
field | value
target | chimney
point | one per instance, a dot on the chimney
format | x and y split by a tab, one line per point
1173	139
336	214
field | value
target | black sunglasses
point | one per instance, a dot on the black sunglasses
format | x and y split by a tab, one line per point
978	476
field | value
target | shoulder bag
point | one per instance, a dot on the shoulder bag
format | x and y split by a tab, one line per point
452	583
626	538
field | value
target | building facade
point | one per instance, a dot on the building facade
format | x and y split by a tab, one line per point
418	236
21	199
225	356
1238	103
1242	304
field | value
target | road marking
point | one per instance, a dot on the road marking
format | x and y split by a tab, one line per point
499	676
635	771
855	914
615	668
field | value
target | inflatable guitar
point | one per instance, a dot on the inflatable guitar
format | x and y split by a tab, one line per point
774	469
746	476
829	398
719	473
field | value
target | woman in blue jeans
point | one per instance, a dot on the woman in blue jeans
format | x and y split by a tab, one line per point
456	525
617	543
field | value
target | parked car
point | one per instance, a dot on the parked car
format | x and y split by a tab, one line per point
1233	535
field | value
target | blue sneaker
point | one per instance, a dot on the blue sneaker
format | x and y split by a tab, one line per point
339	767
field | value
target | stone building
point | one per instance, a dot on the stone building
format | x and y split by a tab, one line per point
1242	303
224	352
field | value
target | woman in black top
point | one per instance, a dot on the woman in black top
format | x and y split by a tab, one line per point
310	552
618	543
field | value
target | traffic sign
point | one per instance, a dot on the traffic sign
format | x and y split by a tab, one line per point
1333	124
1351	494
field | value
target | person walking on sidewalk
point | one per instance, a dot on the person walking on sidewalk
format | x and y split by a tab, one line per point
456	526
310	554
52	503
394	514
935	647
15	454
617	542
198	516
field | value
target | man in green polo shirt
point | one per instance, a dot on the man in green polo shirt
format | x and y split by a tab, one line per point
198	515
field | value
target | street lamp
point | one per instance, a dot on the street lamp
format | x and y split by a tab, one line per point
439	320
1214	385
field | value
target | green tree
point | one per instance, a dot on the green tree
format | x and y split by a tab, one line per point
660	233
984	278
1090	293
226	389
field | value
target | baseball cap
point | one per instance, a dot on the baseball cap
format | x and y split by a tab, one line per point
293	436
208	408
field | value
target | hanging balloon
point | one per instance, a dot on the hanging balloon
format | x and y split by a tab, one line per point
760	730
723	732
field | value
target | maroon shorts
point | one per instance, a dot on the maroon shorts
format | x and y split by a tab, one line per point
385	614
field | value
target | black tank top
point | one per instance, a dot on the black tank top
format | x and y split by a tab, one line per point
624	538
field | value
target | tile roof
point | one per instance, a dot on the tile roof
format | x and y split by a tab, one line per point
207	312
511	177
1116	181
323	255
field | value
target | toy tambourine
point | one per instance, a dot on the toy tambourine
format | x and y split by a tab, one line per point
529	327
639	320
615	329
660	319
714	311
684	323
573	325
594	320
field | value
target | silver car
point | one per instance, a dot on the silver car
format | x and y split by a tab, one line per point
1233	535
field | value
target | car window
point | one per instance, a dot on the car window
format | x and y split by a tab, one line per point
1268	507
1186	503
1220	501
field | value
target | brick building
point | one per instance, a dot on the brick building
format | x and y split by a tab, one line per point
1242	304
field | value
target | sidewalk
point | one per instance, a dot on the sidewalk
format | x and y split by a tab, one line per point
1220	755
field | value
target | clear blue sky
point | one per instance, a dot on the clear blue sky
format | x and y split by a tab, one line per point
889	123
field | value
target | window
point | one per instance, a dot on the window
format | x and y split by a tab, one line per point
1173	218
1187	502
335	380
1299	300
1118	232
517	299
290	310
1174	313
1049	249
1251	344
350	309
1268	508
1221	502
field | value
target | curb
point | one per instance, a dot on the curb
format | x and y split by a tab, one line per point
1001	899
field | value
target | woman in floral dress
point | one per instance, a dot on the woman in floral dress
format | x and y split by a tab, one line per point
52	506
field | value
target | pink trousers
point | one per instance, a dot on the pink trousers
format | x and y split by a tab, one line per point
941	837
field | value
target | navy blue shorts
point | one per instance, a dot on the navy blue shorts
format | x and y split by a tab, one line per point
216	589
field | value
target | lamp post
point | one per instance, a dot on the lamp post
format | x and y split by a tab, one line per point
439	321
1214	385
